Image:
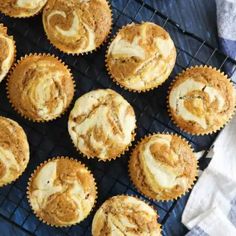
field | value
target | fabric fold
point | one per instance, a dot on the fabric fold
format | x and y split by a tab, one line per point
214	195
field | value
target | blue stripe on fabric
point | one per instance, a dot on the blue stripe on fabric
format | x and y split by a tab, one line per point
228	47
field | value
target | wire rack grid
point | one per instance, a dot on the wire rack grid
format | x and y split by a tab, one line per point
52	139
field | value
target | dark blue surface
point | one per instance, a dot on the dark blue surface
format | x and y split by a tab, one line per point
7	229
51	139
196	16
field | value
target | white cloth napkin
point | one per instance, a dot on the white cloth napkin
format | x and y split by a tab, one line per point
211	208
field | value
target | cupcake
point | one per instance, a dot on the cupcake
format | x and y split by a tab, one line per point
102	124
125	215
141	56
77	26
14	151
201	100
163	166
21	8
62	192
44	90
7	52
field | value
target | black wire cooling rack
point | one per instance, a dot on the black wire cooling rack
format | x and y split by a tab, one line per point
52	139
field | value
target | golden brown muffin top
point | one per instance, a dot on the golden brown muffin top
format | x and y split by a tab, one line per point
62	192
21	8
201	100
77	26
14	150
141	56
7	52
44	90
102	124
125	215
163	166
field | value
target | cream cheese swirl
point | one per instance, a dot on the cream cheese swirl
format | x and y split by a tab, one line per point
180	93
102	124
14	151
157	173
62	192
45	88
7	52
30	4
201	100
125	215
163	166
22	8
141	56
77	26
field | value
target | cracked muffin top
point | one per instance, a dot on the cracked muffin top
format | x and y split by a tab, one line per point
141	56
7	52
21	8
77	26
102	124
44	89
163	166
14	150
62	192
201	100
125	215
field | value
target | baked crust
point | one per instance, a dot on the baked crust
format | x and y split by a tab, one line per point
163	166
125	215
62	192
21	8
44	90
102	124
141	56
201	100
77	26
7	52
14	150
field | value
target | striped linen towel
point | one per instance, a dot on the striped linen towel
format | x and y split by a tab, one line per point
211	207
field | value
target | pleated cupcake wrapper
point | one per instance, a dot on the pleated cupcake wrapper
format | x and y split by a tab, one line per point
140	199
136	185
88	52
8	94
15	51
114	79
169	109
108	159
24	17
36	171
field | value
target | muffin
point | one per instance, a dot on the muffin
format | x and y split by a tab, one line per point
102	124
14	151
141	56
7	52
62	192
163	166
201	100
21	8
77	26
44	90
125	215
